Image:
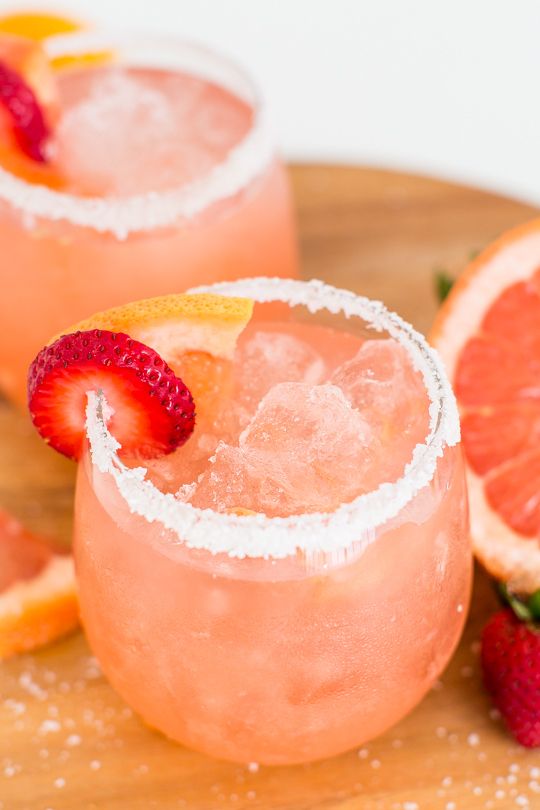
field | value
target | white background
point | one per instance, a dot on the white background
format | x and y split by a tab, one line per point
447	88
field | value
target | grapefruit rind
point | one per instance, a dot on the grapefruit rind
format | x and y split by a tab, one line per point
514	257
37	611
174	324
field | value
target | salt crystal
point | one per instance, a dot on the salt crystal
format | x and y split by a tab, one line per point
514	768
95	765
522	801
49	727
410	806
450	806
27	683
477	791
251	795
253	767
15	706
534	772
363	753
397	743
473	740
447	781
60	782
512	779
441	732
375	763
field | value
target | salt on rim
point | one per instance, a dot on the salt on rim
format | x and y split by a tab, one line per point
121	216
352	524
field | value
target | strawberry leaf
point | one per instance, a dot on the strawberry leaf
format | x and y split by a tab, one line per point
443	284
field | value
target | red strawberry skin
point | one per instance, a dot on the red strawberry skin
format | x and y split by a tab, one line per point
153	411
511	665
29	126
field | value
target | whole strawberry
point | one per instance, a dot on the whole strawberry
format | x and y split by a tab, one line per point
511	665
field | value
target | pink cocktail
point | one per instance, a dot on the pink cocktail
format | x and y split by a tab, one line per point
290	582
167	179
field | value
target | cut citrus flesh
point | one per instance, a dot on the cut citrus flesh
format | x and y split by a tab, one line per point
488	333
195	334
39	26
38	600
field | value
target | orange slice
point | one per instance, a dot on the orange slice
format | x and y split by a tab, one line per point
195	334
38	601
488	333
37	25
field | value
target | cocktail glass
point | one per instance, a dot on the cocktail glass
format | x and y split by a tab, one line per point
67	254
284	639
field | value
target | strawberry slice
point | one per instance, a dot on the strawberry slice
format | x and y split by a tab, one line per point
28	122
28	95
153	410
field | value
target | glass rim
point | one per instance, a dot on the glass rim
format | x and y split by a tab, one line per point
156	209
352	524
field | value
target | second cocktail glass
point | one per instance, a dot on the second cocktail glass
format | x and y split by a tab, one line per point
180	186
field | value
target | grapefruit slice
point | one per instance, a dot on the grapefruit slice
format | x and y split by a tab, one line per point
195	334
38	600
488	333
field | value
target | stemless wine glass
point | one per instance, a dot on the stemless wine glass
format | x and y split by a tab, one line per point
66	255
284	639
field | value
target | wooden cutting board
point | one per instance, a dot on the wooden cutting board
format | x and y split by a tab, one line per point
68	743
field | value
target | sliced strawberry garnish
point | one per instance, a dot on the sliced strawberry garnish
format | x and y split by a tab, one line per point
153	411
28	122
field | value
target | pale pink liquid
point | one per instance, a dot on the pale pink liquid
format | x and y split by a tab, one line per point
294	659
123	132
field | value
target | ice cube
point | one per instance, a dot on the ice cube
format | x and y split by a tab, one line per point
104	140
381	382
134	131
305	450
268	358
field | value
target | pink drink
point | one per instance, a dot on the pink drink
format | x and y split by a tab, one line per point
168	180
313	625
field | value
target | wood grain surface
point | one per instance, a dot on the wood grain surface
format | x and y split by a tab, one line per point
67	742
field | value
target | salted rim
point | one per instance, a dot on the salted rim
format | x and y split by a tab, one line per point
145	212
257	535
